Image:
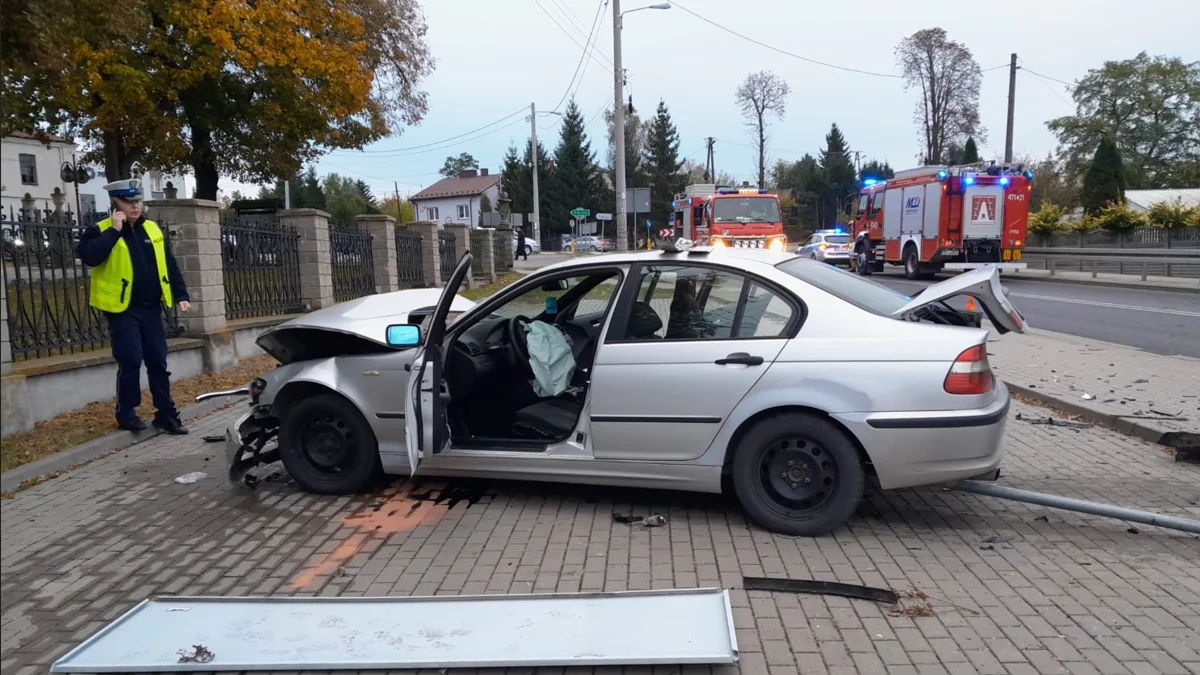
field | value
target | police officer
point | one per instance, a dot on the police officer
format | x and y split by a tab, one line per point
134	276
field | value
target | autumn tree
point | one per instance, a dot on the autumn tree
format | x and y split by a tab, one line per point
248	90
760	96
1104	182
948	79
662	164
1150	107
456	165
806	182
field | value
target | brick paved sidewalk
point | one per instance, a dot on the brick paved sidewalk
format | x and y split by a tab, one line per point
1128	384
1061	593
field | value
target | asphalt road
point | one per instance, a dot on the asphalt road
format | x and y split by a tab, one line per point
1162	322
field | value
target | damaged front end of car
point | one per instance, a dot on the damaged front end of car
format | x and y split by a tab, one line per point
251	440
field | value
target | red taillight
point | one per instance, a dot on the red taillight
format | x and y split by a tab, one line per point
970	373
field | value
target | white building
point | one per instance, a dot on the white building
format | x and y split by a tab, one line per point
457	200
1141	200
30	167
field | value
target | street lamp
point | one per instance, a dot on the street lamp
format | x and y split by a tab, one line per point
537	211
619	119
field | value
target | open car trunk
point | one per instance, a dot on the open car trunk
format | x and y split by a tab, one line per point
983	284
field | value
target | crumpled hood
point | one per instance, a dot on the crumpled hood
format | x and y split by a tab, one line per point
354	327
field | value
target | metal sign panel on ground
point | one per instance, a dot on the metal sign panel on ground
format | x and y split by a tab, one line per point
688	626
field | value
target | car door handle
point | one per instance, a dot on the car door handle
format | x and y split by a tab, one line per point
741	359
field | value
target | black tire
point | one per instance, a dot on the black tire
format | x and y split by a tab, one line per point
912	263
772	490
328	447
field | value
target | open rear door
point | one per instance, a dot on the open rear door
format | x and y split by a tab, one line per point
425	429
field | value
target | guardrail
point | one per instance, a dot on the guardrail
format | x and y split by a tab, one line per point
1179	264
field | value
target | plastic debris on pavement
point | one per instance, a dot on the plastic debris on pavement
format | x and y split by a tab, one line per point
189	478
656	520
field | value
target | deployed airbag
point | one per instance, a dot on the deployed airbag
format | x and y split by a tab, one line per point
550	359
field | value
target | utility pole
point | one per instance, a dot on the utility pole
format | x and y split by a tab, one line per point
396	187
710	165
619	130
1012	104
537	219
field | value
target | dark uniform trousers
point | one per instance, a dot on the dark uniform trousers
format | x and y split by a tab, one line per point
138	336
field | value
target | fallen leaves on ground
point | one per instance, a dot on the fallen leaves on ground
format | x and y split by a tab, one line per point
94	420
477	294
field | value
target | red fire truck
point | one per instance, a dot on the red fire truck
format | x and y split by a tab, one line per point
725	216
946	217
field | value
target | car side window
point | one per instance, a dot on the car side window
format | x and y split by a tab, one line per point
685	303
765	314
547	298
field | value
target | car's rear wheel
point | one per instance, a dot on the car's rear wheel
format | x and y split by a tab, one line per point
328	447
797	474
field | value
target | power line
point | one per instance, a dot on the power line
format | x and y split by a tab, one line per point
1045	82
570	36
782	51
1025	66
582	57
401	152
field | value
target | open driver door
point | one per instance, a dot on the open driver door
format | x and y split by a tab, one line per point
425	429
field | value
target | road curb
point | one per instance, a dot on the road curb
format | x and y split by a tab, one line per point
81	454
1110	284
1125	426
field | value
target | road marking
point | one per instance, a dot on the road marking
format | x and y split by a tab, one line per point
1113	305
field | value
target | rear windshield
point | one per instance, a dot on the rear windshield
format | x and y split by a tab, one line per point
837	238
852	288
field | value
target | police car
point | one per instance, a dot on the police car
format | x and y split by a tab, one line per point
828	246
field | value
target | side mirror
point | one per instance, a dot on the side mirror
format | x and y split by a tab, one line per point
403	335
554	286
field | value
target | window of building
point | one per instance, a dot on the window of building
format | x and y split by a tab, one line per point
431	212
28	169
464	211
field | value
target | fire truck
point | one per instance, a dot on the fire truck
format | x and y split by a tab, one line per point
946	217
723	216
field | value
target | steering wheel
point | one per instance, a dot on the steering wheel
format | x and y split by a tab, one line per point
518	346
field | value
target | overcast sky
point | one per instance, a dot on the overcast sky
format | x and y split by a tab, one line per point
494	58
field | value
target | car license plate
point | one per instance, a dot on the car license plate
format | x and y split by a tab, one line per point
1010	255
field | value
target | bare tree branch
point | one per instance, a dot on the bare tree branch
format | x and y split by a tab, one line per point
760	95
948	78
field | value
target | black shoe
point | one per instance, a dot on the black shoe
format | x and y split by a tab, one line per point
173	427
132	425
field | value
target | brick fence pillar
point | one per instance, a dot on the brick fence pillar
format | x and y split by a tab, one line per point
488	255
431	264
382	229
462	239
316	259
195	230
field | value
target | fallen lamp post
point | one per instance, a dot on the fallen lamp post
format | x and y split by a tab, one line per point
1069	504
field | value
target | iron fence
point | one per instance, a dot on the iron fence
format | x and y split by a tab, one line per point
500	255
1139	237
478	241
409	258
446	253
353	263
261	260
46	286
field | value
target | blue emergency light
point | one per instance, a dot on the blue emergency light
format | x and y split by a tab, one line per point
1003	181
1029	175
942	174
968	180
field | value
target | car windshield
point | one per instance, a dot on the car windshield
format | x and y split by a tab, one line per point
852	288
746	210
837	238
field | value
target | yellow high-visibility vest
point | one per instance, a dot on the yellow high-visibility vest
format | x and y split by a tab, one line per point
112	281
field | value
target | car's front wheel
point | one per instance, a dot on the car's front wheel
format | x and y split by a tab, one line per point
328	447
797	474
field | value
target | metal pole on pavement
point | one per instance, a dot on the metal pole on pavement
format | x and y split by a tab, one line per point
619	129
1012	104
1069	504
537	219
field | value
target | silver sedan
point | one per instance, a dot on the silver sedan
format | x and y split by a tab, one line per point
785	380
